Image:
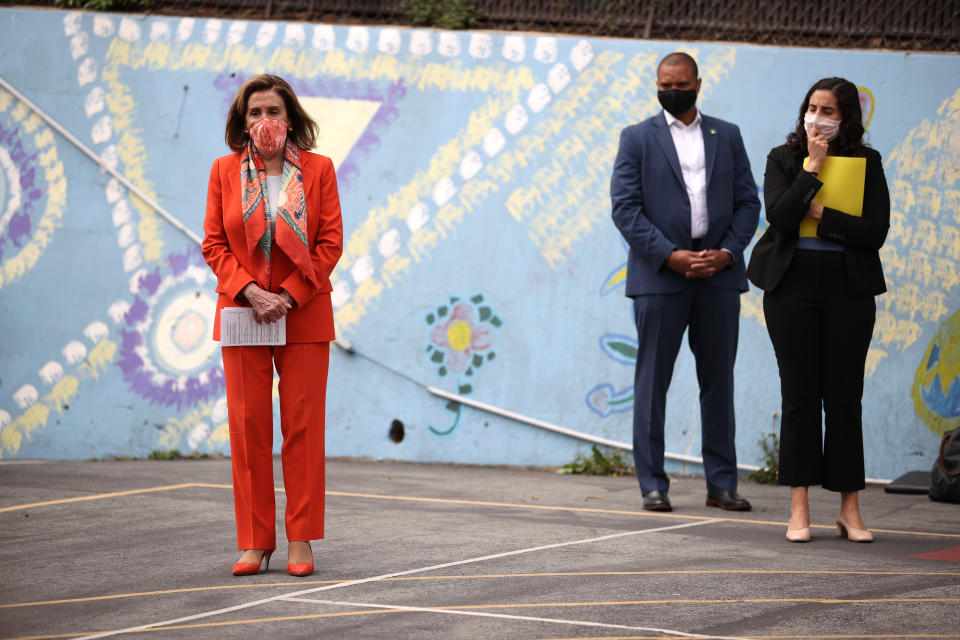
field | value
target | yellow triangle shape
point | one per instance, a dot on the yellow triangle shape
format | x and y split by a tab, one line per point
342	122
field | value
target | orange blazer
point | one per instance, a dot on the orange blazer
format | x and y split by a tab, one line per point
225	247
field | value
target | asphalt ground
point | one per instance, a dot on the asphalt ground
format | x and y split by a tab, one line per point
145	548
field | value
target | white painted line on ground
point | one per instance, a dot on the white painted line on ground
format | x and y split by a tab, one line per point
504	616
350	583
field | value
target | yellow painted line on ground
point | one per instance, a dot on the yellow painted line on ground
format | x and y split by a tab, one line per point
316	616
97	496
652	514
628	603
47	637
485	576
792	636
859	636
478	503
628	638
550	574
207	625
142	594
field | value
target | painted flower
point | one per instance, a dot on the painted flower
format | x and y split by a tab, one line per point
460	341
604	399
462	338
165	354
22	192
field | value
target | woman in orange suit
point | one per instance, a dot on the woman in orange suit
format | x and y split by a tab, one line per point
273	235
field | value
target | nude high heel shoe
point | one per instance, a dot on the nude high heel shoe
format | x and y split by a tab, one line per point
852	534
249	568
798	535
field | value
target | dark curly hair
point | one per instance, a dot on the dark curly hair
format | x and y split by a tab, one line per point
305	130
849	141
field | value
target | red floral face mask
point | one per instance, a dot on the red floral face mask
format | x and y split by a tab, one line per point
269	135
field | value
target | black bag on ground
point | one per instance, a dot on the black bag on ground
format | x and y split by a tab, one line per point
945	475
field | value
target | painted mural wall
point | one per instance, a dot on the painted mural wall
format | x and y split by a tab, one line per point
480	257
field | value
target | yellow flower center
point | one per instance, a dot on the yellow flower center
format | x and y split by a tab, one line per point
458	335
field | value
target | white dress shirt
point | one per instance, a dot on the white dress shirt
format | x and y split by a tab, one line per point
688	141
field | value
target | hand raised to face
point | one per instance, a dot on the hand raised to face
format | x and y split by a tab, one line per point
817	147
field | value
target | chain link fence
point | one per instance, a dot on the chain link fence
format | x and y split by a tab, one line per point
914	25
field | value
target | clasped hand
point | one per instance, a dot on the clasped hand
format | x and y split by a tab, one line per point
267	307
699	264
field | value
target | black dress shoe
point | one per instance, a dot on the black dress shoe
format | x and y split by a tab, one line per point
728	500
656	501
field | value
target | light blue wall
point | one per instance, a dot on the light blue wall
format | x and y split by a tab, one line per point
474	179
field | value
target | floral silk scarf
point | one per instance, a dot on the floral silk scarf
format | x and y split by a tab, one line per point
290	213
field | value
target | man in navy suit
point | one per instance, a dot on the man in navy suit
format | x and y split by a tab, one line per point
686	203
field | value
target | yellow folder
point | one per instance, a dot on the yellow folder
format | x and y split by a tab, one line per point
842	188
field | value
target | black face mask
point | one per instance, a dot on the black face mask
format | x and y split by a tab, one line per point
677	102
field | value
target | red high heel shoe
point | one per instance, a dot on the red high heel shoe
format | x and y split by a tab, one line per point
301	569
249	569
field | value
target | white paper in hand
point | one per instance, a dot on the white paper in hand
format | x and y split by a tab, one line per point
239	329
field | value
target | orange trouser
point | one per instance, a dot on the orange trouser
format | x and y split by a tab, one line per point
302	368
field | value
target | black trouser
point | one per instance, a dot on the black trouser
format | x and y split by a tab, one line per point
820	334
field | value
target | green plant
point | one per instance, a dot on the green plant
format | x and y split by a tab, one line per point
598	464
106	5
770	445
161	454
444	14
606	13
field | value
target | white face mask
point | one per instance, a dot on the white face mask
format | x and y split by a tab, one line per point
829	128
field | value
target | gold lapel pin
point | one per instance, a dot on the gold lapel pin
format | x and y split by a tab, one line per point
713	131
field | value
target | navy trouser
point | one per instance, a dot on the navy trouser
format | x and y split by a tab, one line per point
712	316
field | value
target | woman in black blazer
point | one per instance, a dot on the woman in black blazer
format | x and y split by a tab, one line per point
819	304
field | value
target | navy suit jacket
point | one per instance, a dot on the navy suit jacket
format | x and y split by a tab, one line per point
652	210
